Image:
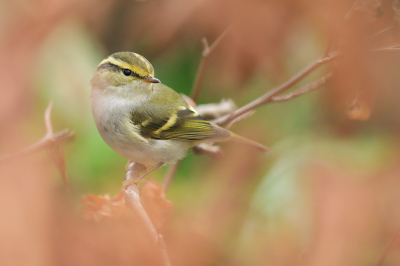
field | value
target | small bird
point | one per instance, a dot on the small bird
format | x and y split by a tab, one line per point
144	120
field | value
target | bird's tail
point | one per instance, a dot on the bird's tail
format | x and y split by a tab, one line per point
249	142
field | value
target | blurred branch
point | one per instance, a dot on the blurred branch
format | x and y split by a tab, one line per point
51	141
132	201
207	50
395	49
169	177
268	97
215	110
240	118
310	87
382	32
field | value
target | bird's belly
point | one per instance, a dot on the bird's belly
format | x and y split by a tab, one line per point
150	153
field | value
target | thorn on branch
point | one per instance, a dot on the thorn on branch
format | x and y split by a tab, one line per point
206	48
47	119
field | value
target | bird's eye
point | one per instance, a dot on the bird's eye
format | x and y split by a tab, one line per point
127	72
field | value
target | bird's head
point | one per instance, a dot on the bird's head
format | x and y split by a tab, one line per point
123	68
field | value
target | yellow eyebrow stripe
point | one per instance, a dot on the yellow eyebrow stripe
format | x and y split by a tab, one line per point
169	124
124	65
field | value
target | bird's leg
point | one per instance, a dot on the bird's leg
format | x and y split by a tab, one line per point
130	181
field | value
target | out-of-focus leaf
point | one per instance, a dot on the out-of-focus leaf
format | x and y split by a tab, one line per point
157	207
365	12
102	208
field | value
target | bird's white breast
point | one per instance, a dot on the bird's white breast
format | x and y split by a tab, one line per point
112	117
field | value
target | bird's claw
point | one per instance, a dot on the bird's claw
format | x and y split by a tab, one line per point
129	182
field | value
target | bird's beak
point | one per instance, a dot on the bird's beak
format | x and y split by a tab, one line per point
152	79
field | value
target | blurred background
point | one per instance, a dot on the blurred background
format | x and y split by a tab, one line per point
327	193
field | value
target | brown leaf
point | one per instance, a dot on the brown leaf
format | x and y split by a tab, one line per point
102	208
157	207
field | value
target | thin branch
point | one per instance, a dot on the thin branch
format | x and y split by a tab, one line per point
267	97
329	57
240	118
384	31
169	177
43	144
394	49
51	142
310	87
215	110
56	153
132	201
207	50
161	246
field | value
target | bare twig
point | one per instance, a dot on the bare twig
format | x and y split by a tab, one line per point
310	87
42	144
395	49
207	50
164	254
169	177
51	142
267	97
380	33
270	96
132	201
240	118
56	153
214	110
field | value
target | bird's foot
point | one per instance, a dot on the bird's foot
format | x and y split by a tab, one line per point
127	165
135	181
129	182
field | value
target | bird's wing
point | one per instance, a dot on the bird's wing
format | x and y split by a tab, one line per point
171	117
164	122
